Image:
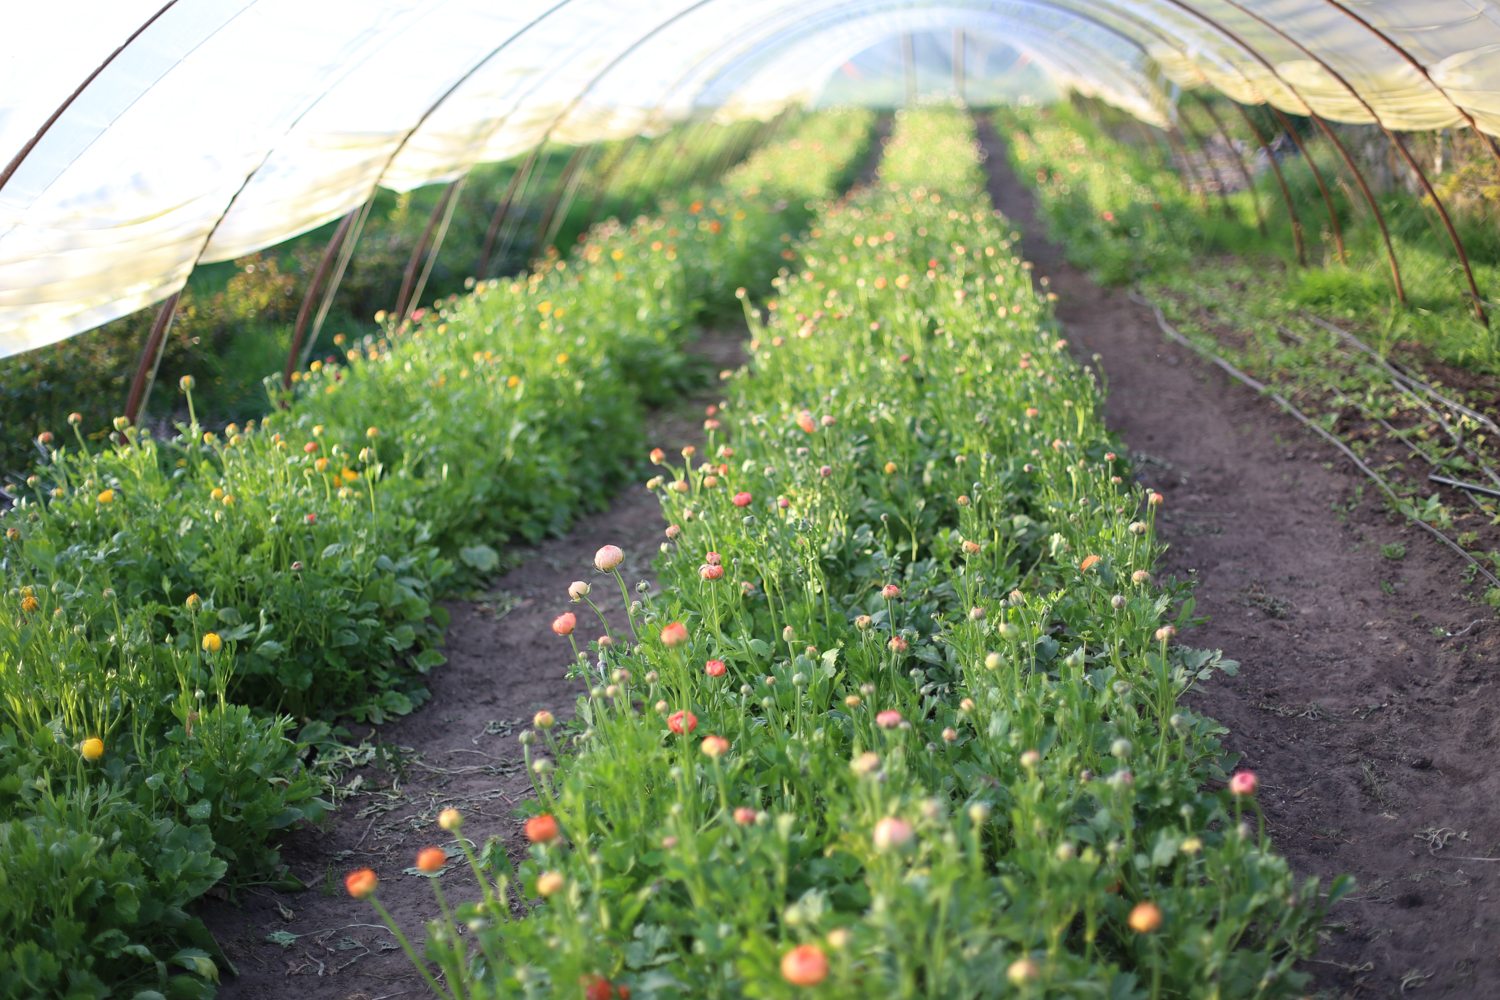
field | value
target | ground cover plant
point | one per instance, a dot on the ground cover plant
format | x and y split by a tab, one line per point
1410	396
905	718
178	609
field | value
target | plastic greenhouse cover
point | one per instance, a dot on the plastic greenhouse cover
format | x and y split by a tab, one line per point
218	127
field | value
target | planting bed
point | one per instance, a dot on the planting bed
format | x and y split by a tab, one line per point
885	684
905	713
186	618
1364	705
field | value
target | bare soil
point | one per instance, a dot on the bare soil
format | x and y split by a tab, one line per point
1365	701
460	749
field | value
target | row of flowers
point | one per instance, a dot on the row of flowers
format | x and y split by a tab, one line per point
905	718
175	611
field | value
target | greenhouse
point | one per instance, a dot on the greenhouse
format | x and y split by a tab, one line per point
703	499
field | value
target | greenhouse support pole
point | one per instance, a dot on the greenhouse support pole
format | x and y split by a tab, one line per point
1417	65
444	210
1208	165
1290	130
1179	146
511	223
345	256
1286	194
572	171
1369	197
518	178
409	275
1348	161
305	311
145	370
1239	159
46	126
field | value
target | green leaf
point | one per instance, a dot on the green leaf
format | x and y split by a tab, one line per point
283	938
196	961
480	557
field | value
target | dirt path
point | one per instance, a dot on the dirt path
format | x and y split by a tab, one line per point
504	663
1375	733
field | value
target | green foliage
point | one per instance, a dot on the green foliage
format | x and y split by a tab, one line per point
947	739
173	608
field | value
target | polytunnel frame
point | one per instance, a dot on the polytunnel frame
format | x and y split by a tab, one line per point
1191	11
570	171
1173	137
745	49
522	177
405	299
1395	140
1238	41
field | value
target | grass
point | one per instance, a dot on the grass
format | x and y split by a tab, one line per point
1329	338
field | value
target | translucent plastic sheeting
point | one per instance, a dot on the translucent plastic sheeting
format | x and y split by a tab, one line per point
1077	53
229	125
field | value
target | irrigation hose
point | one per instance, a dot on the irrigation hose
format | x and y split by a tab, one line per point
1261	388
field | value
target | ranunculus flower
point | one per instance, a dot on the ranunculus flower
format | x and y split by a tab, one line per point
888	719
578	590
92	748
890	592
543	720
804	965
1145	918
682	722
431	859
709	571
450	819
744	815
742	499
892	834
542	829
549	883
564	623
714	668
674	634
1088	563
714	746
608	558
212	643
1243	783
898	644
361	883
